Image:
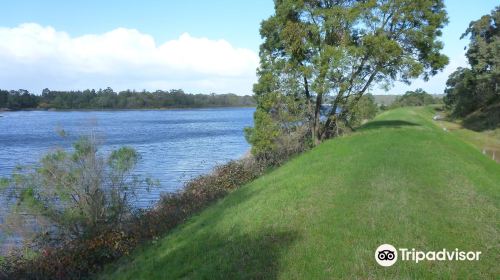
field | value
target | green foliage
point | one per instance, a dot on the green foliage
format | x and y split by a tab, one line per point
76	194
4	98
315	51
263	134
123	160
362	110
415	98
477	87
278	119
487	118
17	99
461	92
108	99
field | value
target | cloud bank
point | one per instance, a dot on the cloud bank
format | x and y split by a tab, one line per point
34	57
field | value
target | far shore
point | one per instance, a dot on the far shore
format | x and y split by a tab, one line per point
118	109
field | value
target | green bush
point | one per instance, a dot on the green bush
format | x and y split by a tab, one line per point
74	195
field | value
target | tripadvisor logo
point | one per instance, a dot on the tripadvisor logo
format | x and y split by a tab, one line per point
387	255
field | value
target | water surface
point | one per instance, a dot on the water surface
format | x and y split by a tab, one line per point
175	145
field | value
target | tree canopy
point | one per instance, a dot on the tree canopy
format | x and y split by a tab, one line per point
474	88
315	49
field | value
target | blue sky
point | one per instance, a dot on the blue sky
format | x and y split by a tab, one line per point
70	44
232	20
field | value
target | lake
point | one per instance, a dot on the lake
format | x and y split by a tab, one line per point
175	145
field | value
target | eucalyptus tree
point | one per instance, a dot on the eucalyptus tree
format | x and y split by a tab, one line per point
334	51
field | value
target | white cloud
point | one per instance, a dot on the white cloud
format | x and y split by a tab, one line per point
34	57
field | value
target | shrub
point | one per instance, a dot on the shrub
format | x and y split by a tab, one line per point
73	259
75	195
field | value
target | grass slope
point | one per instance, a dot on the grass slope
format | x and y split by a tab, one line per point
399	180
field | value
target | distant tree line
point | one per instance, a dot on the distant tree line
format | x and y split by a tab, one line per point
109	99
18	99
418	97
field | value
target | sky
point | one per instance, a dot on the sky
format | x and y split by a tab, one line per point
199	46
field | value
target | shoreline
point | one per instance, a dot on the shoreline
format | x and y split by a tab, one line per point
117	109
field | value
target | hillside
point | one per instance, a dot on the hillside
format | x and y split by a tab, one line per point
400	180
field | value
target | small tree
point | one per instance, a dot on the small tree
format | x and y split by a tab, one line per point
76	194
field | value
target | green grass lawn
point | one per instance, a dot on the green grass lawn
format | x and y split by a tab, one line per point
400	180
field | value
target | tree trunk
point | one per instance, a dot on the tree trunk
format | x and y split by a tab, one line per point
316	133
357	95
332	118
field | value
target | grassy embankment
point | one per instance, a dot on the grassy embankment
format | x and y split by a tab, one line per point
400	179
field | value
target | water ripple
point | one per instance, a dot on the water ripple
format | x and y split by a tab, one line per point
175	145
